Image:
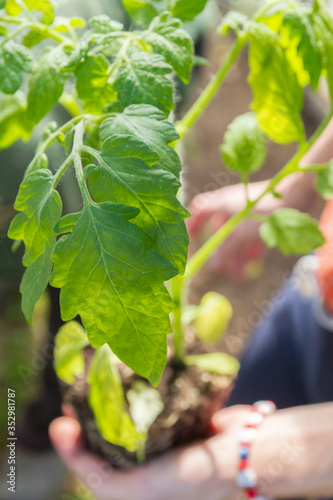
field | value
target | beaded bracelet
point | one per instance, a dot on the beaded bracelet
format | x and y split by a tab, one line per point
246	476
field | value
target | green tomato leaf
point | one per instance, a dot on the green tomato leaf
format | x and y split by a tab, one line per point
145	405
187	11
15	60
46	83
214	362
300	42
125	175
12	8
144	79
141	11
35	280
244	149
167	38
278	97
103	24
324	182
109	275
149	125
70	341
212	317
292	231
107	401
45	6
40	206
14	123
92	84
323	26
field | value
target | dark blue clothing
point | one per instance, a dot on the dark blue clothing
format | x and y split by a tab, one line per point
289	359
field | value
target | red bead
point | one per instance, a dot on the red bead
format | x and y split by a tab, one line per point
251	493
243	464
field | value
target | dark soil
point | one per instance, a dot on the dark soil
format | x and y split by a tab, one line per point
190	399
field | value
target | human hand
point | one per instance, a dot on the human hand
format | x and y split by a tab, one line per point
209	211
203	470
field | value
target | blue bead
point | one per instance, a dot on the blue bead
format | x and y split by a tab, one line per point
243	452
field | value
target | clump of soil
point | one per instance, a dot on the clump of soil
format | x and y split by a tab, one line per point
190	398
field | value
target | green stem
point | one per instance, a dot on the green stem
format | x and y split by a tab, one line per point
141	452
178	296
205	252
62	169
76	153
47	143
11	20
194	113
14	33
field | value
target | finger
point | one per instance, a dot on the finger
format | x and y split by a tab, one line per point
95	473
224	419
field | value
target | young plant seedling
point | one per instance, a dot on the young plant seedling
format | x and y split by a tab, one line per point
121	260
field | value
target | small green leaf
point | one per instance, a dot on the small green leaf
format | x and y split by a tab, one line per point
92	84
300	42
46	83
70	341
324	182
12	8
126	176
214	362
35	281
103	24
40	206
107	401
109	275
13	120
167	38
244	149
144	79
292	231
145	405
212	317
2	4
45	6
149	125
3	30
278	97
323	26
15	60
187	10
141	11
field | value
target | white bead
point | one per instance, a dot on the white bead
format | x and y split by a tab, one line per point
248	435
246	478
265	407
254	418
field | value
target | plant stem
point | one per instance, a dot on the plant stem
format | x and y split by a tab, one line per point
205	252
194	113
76	152
62	169
47	143
178	296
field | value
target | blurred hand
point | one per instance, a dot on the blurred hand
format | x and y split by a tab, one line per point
203	470
209	211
